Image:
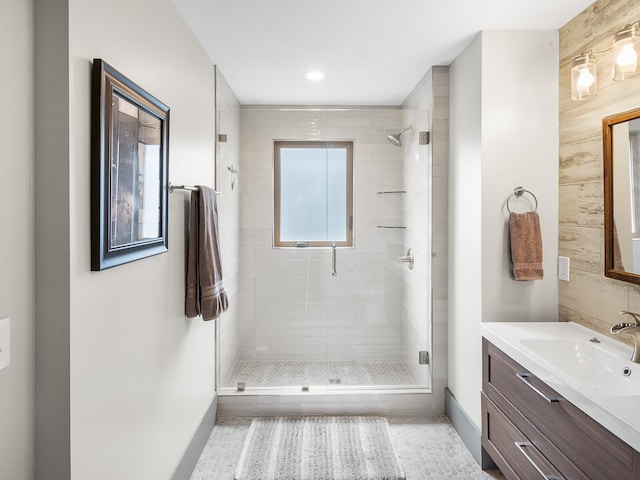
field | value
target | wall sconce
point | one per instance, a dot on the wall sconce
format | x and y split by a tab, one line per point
626	44
584	76
625	52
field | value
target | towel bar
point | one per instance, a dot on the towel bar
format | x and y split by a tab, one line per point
191	188
518	192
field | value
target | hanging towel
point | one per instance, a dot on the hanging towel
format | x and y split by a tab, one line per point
526	246
205	294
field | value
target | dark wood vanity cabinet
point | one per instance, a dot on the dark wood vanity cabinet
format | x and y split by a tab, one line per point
531	432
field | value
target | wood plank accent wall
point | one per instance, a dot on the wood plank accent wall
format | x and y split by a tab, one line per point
590	298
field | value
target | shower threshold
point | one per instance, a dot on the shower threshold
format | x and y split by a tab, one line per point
333	373
330	400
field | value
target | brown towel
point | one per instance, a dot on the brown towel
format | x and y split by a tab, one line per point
526	246
205	294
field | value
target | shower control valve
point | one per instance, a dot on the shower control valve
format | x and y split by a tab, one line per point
408	258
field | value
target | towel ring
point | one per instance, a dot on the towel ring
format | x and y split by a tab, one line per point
518	192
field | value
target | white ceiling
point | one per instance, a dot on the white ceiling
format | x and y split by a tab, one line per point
374	52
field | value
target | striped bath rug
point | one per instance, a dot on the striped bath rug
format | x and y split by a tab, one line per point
318	448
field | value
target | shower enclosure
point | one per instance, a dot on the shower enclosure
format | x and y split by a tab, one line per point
295	325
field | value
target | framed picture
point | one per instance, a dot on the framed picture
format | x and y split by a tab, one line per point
129	170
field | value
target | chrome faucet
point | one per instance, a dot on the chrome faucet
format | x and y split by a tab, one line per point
632	329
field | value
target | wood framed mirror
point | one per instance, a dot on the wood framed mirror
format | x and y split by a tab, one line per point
621	155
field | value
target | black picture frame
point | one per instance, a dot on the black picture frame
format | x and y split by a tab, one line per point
129	170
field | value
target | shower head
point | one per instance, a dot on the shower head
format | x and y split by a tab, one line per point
394	138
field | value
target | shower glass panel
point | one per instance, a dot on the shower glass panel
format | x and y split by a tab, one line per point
297	323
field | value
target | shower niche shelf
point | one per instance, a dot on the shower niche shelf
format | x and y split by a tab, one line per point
391	192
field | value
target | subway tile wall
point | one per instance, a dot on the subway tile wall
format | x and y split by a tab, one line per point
291	307
440	229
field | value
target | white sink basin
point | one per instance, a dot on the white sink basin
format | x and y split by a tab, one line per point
590	364
589	375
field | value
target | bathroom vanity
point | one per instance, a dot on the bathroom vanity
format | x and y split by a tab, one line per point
552	403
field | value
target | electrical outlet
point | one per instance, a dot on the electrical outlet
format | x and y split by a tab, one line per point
5	342
564	264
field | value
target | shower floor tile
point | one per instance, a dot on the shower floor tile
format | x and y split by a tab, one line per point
270	373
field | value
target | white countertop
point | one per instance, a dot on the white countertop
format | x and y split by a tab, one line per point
620	414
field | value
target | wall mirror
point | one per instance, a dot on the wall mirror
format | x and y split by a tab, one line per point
621	152
130	135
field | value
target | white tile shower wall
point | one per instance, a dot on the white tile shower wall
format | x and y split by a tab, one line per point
291	307
424	311
440	229
228	154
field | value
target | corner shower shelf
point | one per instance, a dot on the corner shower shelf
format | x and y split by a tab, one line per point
392	191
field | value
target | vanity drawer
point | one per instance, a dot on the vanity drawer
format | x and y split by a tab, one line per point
552	423
515	455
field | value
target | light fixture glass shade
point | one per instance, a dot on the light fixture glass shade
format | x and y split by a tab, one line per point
625	52
584	77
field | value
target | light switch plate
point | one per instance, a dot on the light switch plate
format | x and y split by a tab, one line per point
5	342
564	268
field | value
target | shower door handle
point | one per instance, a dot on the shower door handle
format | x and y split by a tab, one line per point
334	271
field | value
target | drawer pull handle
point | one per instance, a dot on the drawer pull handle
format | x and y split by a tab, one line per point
521	446
525	378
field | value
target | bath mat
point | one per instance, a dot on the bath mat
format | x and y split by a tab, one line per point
318	448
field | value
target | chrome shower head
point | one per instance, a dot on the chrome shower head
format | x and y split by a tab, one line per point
394	138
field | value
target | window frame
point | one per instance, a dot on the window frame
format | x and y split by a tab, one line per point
323	144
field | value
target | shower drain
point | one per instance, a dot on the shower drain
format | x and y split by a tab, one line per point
334	381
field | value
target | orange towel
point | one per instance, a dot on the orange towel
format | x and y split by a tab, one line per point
526	246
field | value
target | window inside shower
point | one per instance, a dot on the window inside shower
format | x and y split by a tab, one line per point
313	194
295	324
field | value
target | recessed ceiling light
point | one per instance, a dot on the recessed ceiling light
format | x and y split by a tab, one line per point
314	75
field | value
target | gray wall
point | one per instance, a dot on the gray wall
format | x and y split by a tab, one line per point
52	305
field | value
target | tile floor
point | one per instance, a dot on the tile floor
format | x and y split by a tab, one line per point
427	448
279	373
